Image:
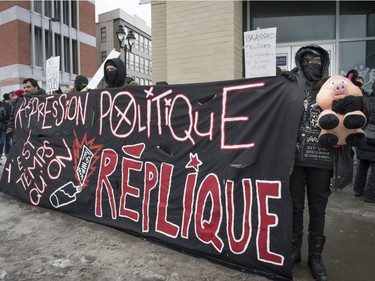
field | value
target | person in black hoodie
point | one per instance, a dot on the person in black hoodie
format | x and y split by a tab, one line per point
366	160
313	164
114	73
313	171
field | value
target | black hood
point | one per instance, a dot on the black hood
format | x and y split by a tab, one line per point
314	49
121	72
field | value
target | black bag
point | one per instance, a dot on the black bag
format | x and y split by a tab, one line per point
370	133
342	167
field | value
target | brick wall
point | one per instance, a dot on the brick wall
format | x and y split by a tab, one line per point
87	17
15	43
8	4
88	60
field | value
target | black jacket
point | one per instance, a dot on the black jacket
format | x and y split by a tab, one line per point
308	152
10	123
367	150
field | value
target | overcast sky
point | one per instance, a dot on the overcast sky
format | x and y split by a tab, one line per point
132	7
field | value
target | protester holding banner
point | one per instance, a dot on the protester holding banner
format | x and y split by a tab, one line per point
114	73
31	87
313	167
80	83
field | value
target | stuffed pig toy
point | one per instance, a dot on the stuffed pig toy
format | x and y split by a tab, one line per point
342	118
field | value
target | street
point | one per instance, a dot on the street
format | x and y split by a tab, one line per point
43	245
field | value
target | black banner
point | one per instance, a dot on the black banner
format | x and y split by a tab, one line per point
201	167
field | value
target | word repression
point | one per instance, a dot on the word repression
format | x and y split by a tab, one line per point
196	198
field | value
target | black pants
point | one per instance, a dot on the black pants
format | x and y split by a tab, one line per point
360	185
316	182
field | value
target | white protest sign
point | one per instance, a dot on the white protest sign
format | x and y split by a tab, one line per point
100	72
260	52
52	74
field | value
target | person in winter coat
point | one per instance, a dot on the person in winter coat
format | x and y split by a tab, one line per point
31	87
313	164
314	169
366	160
8	105
114	73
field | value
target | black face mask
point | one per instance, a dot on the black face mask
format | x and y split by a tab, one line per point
313	72
112	78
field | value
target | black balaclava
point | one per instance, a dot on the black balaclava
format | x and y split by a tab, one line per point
115	78
80	82
312	71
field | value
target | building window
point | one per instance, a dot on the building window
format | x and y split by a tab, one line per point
38	6
103	55
73	16
131	61
146	67
38	48
295	21
48	9
141	44
48	44
136	63
146	46
363	60
57	8
66	12
361	13
103	34
136	43
58	47
142	65
75	56
66	57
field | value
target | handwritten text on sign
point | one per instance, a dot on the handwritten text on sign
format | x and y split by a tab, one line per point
260	52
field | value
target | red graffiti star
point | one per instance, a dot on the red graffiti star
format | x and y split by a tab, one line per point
194	162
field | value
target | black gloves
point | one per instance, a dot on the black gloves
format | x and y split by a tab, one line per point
348	104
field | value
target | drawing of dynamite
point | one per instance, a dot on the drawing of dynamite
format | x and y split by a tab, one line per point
67	193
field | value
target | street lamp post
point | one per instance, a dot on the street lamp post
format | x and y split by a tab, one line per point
125	41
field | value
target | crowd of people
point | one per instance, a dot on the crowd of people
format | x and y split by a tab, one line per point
114	77
311	176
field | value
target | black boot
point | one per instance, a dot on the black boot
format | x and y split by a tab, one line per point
318	271
296	247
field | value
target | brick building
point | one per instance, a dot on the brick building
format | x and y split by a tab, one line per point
33	31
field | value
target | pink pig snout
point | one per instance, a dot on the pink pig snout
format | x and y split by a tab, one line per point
339	87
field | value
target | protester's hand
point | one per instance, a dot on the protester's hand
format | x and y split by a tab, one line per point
71	89
9	131
348	104
289	75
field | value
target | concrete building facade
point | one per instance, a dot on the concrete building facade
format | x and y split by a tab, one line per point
201	41
33	31
138	61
